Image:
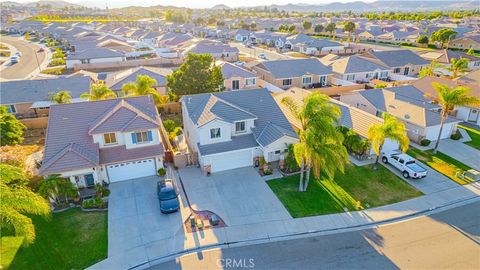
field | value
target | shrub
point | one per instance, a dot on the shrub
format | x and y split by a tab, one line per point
96	202
101	190
162	171
425	142
456	136
56	62
54	71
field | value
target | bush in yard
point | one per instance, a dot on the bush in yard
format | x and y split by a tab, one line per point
162	171
56	62
425	142
456	136
101	190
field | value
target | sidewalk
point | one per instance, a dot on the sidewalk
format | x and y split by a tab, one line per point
155	252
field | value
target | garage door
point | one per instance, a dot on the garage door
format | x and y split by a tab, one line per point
131	169
229	161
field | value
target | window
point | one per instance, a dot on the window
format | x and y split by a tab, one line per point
396	70
142	137
323	80
278	152
235	84
215	133
350	77
110	138
240	127
384	74
11	108
287	82
476	63
307	80
369	75
250	81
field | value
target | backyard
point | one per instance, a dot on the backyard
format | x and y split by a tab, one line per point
474	135
442	163
359	188
69	240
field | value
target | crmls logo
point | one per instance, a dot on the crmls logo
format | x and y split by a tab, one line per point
235	263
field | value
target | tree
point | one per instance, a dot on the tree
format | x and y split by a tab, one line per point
318	28
392	129
18	200
349	27
99	91
458	66
331	27
307	25
61	97
11	129
443	35
423	39
471	52
321	144
142	86
27	35
198	74
449	98
430	69
57	189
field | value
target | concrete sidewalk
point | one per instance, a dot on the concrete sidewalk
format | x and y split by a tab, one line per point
158	251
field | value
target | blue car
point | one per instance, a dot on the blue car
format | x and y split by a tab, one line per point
168	197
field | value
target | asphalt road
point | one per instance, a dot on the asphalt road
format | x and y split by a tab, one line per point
447	240
255	51
28	61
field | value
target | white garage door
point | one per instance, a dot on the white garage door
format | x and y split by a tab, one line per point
432	132
131	169
229	161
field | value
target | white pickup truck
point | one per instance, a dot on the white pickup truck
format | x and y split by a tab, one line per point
406	164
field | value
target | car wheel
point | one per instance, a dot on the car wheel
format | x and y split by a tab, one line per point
405	174
385	160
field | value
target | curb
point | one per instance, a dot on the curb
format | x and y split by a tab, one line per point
171	256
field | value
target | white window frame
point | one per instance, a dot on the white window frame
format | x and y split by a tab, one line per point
397	70
383	74
11	108
307	77
241	130
219	133
350	77
284	80
250	81
112	142
143	137
323	80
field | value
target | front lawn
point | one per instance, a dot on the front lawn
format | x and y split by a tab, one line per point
444	164
358	188
474	135
69	240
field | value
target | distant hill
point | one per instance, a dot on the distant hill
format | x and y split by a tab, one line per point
54	3
220	7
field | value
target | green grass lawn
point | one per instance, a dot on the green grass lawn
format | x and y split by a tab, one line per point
69	240
442	163
358	188
474	135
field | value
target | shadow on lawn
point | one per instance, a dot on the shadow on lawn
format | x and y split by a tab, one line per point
339	195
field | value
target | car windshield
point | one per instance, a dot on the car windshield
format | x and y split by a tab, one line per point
410	162
167	195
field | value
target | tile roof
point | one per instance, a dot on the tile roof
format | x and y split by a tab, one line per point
121	153
26	91
123	77
237	143
294	67
355	64
231	70
94	52
399	58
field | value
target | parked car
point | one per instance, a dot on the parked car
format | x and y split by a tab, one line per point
41	50
19	54
14	59
168	196
239	63
406	164
262	56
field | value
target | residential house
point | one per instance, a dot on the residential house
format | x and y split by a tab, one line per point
303	73
94	55
467	42
30	98
471	80
218	50
116	80
420	115
241	35
445	57
103	141
237	78
360	69
234	129
404	62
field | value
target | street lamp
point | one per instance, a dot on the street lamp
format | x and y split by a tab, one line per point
38	63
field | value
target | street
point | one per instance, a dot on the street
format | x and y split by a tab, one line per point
28	62
255	51
449	239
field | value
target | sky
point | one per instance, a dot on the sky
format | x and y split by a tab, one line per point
191	3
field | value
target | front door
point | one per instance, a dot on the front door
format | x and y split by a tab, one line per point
473	116
89	180
406	70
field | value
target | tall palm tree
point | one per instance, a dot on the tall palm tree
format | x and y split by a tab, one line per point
430	69
391	129
99	91
61	97
458	67
142	86
449	98
320	141
18	200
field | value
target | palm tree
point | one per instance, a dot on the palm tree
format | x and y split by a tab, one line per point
449	98
458	66
391	129
57	188
430	69
18	200
320	141
61	97
142	86
99	91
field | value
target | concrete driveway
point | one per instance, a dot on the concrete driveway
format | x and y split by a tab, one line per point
134	217
238	196
461	152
